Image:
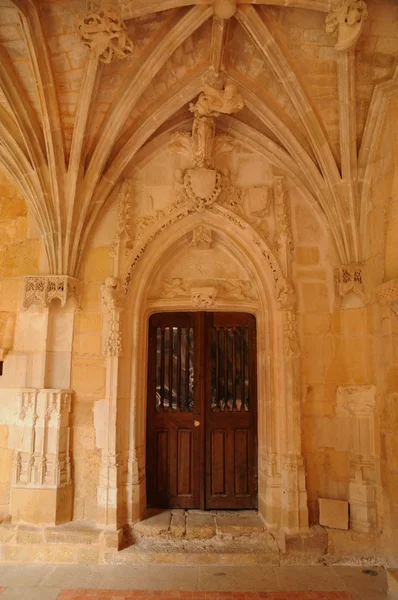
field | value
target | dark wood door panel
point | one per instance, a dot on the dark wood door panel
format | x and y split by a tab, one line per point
231	411
173	441
202	411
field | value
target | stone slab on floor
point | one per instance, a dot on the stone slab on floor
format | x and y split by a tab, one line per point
156	525
238	523
200	525
46	582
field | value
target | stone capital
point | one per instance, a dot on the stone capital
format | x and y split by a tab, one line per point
387	293
43	289
350	285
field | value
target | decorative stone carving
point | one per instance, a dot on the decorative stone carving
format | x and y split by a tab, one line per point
387	293
346	21
111	293
124	218
202	237
112	297
103	31
42	289
203	296
202	184
41	439
202	187
285	294
225	289
350	285
176	287
212	102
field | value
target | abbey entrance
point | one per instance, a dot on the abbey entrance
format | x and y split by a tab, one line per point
198	277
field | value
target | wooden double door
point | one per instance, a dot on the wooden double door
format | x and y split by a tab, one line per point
202	411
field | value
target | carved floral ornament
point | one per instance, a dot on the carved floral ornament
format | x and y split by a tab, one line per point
103	31
346	21
43	289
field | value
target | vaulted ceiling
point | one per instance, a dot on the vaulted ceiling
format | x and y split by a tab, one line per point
71	126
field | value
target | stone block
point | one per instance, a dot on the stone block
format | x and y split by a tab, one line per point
200	525
7	532
236	524
113	539
333	513
29	535
177	527
42	506
156	525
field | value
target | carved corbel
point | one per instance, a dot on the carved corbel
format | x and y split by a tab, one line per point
387	293
346	21
350	285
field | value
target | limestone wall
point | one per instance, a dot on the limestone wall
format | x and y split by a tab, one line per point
20	249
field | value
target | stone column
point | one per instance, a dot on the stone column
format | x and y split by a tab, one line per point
41	363
357	403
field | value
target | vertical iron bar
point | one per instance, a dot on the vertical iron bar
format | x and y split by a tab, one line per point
162	368
187	370
179	369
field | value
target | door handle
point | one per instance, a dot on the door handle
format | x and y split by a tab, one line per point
196	423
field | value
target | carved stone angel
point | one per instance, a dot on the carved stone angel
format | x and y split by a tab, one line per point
213	102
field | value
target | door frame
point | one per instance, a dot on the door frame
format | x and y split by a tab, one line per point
282	492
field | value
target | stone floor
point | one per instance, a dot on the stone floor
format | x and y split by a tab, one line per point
115	582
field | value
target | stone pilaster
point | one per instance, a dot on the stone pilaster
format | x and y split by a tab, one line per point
357	403
107	490
41	478
40	365
294	492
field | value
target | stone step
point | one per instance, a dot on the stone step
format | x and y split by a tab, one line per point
201	525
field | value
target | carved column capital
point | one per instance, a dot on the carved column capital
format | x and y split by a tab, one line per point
346	21
43	289
350	280
387	293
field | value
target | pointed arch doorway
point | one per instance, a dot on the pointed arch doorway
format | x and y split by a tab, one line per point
202	411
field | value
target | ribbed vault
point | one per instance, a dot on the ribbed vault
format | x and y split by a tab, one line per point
71	126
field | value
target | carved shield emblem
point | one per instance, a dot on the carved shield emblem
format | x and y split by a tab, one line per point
202	186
